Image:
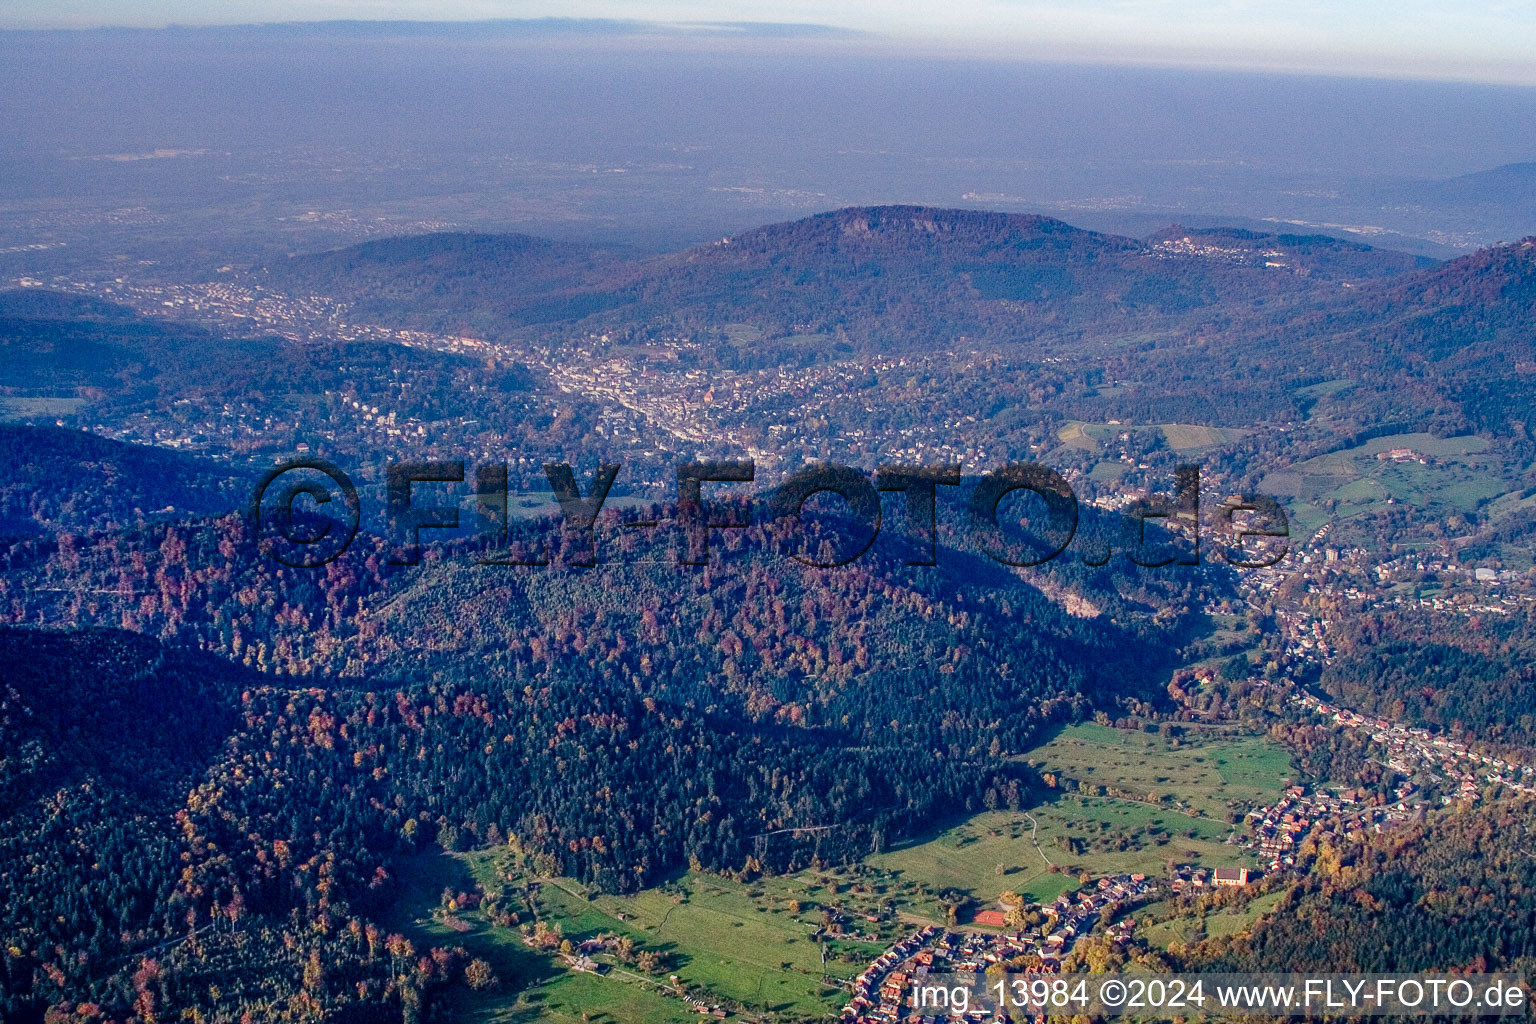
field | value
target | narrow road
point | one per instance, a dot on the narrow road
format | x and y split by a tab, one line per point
1034	837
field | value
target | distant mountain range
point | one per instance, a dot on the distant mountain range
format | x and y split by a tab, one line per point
885	276
488	28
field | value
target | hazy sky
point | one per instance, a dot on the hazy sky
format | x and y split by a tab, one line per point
1490	40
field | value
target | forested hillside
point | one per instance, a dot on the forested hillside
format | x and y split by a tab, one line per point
72	480
886	278
1420	669
622	722
112	896
237	813
1451	893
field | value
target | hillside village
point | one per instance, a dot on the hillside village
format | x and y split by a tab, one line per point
881	993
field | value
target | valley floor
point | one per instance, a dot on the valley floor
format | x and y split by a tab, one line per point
790	947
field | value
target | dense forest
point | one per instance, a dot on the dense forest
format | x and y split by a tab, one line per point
1454	892
263	813
115	903
621	722
1420	668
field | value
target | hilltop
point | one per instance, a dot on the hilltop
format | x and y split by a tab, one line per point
877	277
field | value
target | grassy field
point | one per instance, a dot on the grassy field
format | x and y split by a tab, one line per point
1353	481
1181	437
738	940
1188	437
1324	388
1201	773
575	998
1142	800
542	504
1088	437
22	408
995	852
1163	924
745	942
1107	472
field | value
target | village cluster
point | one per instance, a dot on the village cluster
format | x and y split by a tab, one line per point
883	992
1278	830
1413	750
1323	578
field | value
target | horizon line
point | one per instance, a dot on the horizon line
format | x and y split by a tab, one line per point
1077	52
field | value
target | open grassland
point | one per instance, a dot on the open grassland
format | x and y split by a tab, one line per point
1456	476
1167	923
1325	388
1143	801
748	943
995	851
1081	436
1189	437
1180	437
1200	772
1107	472
738	940
1140	800
25	407
716	935
574	998
542	504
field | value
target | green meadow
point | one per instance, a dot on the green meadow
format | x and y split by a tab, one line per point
1199	771
1180	437
1140	801
996	851
748	943
1352	481
1167	923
